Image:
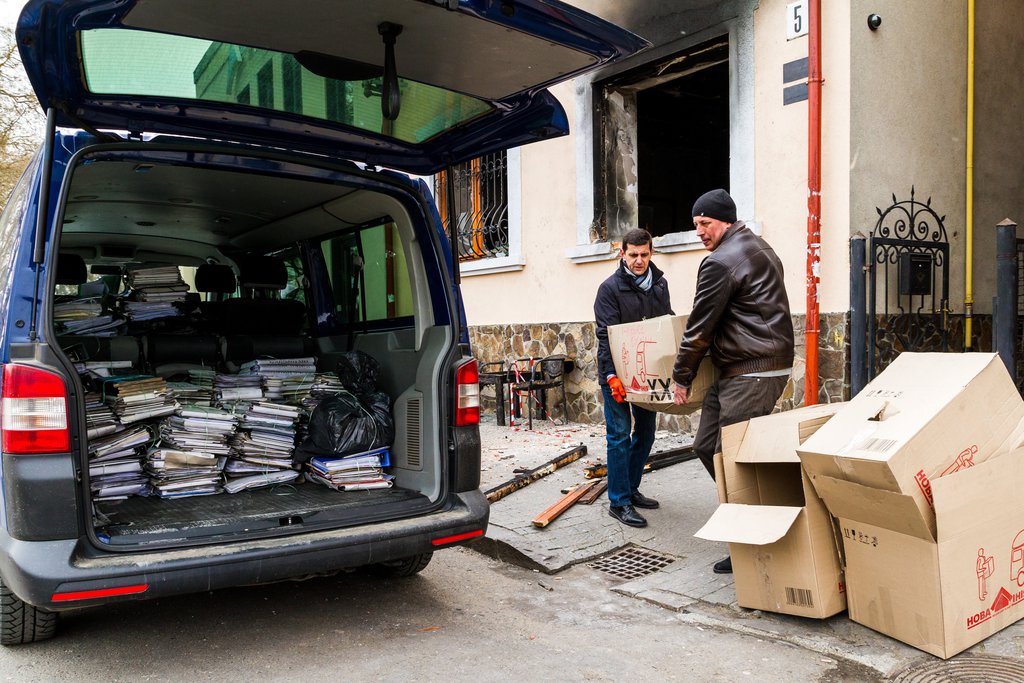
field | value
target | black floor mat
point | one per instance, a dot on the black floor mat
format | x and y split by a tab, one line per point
142	519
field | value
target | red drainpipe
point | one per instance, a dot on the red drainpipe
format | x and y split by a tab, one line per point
814	82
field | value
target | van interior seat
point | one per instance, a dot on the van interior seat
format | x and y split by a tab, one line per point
81	347
216	279
71	270
256	325
175	354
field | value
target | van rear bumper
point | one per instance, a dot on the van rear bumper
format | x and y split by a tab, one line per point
36	570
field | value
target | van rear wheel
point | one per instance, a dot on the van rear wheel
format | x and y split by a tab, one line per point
21	622
396	569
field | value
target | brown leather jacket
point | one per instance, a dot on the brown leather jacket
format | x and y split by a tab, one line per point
740	312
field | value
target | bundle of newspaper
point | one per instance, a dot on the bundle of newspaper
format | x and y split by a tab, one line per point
115	469
177	474
352	472
138	397
282	376
199	428
99	418
265	438
232	388
156	290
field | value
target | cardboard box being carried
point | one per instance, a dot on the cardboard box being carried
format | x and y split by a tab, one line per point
926	416
941	594
644	353
781	539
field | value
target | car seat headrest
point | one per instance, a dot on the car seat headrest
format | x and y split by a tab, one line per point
215	277
262	272
71	269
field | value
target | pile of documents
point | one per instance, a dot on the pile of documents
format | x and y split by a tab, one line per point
283	377
265	438
199	428
115	470
156	290
352	472
324	384
99	418
100	369
136	397
187	393
177	474
85	316
231	388
203	380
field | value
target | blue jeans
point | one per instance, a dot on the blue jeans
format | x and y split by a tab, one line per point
627	454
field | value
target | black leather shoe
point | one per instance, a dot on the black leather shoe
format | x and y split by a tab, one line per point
627	515
641	501
723	567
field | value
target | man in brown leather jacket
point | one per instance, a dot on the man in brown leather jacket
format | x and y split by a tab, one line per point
741	317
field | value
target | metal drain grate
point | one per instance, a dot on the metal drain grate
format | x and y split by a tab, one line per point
965	669
632	563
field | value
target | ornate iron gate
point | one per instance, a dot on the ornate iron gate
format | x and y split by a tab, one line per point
908	280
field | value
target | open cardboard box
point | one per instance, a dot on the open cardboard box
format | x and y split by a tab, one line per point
644	354
941	594
926	416
780	535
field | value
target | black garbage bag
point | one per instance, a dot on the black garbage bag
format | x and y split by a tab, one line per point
358	372
345	424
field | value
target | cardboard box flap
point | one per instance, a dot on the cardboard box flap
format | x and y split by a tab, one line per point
749	524
887	509
774	438
978	496
918	369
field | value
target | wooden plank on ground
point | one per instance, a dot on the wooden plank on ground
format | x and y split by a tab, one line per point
594	493
566	502
526	478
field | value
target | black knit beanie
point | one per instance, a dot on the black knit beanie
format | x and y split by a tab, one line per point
716	204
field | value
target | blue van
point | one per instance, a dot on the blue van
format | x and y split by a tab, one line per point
217	229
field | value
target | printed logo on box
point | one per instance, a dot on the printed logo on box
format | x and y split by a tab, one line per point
926	487
962	461
985	568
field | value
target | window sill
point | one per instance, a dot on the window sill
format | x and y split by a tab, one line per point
585	253
501	264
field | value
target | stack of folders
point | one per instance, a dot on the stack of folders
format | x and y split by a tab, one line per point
103	368
115	470
352	472
177	474
295	374
232	388
199	428
265	438
137	398
83	316
157	289
324	384
204	380
187	393
99	418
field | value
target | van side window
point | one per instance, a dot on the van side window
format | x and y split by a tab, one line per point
10	232
369	275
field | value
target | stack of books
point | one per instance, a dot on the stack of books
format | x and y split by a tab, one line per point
352	472
177	474
265	438
115	469
156	290
136	397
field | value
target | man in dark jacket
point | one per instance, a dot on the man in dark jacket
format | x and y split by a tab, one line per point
636	291
741	316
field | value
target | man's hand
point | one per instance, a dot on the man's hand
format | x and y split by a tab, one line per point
681	395
618	391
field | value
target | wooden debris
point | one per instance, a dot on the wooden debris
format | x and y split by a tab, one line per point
567	501
526	478
655	462
594	493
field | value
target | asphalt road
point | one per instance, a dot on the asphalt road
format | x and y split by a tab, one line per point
466	617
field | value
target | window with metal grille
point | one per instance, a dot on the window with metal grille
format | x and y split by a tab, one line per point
481	206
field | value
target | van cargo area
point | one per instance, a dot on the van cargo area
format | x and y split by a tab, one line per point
209	303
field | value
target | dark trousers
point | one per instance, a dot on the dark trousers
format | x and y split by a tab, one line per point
730	401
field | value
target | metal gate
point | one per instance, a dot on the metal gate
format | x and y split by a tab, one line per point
908	282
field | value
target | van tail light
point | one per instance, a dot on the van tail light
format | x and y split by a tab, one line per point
34	411
467	382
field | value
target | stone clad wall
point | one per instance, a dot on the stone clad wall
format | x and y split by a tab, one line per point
504	343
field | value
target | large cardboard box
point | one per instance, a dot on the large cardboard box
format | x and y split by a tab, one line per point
926	416
784	550
644	353
940	594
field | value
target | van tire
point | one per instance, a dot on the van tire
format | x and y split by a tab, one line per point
21	622
397	569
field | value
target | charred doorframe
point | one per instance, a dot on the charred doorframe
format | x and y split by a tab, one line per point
591	244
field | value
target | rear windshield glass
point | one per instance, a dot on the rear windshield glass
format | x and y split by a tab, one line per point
144	63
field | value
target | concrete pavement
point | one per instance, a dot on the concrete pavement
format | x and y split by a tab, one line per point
686	585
